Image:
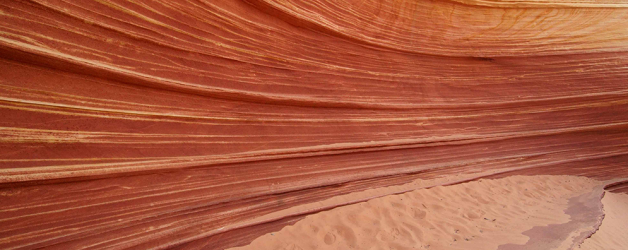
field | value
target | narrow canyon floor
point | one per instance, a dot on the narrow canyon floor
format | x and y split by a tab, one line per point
516	212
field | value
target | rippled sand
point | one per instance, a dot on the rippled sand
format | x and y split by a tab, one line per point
511	213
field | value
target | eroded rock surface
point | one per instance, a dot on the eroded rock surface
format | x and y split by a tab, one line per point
154	124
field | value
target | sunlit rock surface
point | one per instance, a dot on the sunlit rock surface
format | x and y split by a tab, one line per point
155	124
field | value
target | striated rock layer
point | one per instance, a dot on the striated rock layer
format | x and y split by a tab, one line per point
155	124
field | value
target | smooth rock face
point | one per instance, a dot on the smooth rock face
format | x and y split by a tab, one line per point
154	124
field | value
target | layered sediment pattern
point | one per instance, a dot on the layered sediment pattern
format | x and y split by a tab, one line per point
154	124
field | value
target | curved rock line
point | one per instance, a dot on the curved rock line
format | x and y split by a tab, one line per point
153	124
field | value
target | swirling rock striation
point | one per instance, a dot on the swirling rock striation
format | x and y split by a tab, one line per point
154	124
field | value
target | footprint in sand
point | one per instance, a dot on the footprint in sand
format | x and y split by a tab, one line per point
292	247
330	238
470	215
388	236
418	213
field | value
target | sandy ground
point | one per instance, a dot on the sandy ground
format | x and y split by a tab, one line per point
484	214
613	234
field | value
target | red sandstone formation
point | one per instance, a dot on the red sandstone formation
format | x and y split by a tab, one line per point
155	124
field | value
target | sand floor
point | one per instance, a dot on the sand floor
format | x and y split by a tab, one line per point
613	234
484	214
